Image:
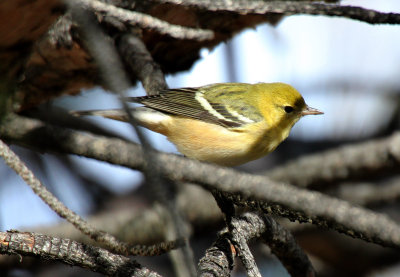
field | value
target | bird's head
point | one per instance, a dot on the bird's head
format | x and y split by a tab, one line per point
282	104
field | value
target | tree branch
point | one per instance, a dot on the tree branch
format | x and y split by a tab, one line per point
235	234
294	203
368	193
284	246
219	258
238	230
147	225
145	21
140	61
71	253
218	261
291	8
350	162
13	161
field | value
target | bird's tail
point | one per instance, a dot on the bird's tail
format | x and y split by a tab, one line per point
146	117
116	114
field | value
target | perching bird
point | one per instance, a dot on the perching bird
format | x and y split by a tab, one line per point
227	124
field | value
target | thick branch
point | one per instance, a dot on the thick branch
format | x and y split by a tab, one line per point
295	203
293	7
218	261
70	252
219	258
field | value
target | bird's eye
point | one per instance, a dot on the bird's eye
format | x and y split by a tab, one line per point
288	109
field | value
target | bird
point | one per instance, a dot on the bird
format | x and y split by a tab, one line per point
227	124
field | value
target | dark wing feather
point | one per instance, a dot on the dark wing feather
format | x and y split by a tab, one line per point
183	102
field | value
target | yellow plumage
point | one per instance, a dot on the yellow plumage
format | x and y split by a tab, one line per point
227	124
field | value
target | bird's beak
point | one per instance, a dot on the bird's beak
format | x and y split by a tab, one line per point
308	110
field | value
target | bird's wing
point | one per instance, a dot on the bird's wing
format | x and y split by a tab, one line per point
203	103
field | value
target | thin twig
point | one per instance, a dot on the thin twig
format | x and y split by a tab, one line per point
237	235
291	8
345	163
145	21
71	253
284	246
140	61
368	193
228	210
147	226
13	161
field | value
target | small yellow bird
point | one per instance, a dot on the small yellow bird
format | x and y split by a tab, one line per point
227	124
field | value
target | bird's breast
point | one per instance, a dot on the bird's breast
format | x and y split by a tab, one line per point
213	143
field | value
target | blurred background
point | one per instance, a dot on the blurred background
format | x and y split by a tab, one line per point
348	69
